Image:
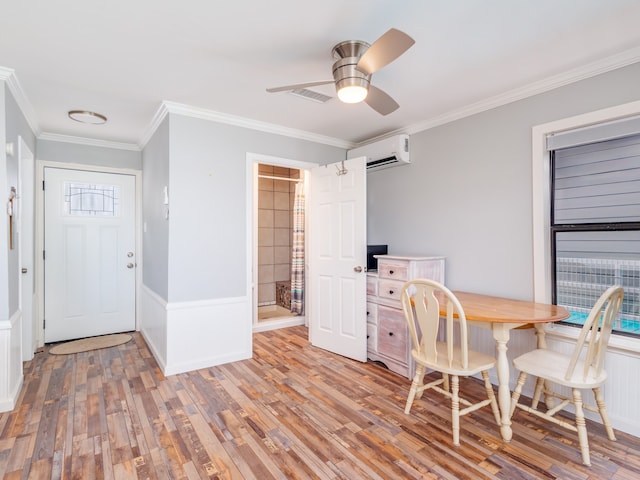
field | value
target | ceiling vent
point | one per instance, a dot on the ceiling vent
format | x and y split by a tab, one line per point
385	153
310	95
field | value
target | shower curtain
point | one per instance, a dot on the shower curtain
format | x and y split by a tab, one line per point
297	253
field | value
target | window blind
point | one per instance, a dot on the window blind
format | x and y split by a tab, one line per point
598	182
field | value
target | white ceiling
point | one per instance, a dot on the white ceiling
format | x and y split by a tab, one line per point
123	58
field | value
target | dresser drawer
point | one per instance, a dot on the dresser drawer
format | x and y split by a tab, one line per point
390	290
372	313
397	270
392	334
372	338
372	285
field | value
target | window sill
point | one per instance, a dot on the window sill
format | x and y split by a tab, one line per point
625	345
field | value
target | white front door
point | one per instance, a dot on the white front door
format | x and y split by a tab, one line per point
89	277
337	258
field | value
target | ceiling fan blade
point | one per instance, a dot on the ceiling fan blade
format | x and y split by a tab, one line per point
299	85
380	101
384	51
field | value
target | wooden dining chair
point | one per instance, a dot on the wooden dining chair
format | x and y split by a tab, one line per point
583	369
443	347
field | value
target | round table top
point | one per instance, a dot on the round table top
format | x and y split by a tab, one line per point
486	308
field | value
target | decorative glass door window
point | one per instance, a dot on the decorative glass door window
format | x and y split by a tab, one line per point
88	199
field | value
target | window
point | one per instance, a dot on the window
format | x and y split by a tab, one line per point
595	226
87	199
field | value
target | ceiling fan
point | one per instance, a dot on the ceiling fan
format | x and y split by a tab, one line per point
355	62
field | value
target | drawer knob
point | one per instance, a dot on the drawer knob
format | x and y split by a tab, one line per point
390	292
390	272
391	334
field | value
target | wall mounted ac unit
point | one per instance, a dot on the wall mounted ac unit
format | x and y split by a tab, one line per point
385	153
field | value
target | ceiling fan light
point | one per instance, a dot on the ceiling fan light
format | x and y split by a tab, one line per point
352	93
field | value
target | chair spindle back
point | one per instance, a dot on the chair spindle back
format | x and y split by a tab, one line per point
595	333
421	300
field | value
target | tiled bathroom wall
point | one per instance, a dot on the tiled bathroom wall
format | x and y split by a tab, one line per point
275	213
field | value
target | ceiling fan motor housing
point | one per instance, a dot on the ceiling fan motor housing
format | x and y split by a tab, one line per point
345	72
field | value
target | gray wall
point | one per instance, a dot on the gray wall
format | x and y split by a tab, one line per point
54	151
468	193
16	125
155	240
208	204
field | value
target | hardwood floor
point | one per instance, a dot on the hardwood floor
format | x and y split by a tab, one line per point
292	411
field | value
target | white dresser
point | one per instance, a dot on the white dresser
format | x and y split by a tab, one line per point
388	339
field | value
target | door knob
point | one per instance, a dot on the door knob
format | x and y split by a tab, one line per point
24	270
129	265
357	269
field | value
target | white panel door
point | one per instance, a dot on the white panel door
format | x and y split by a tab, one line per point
337	259
25	241
89	253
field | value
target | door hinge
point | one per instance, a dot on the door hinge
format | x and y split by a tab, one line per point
43	255
42	184
44	324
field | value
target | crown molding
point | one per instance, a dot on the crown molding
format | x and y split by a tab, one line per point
9	76
157	119
623	59
209	115
55	137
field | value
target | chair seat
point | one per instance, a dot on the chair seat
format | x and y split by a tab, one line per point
477	361
553	366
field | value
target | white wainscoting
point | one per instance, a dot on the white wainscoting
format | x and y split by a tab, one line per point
621	391
191	335
153	324
11	375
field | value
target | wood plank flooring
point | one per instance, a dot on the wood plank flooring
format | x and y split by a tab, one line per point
291	412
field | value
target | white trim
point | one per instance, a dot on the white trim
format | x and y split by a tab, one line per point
157	119
278	323
198	304
11	373
9	76
39	230
253	159
212	116
55	137
613	62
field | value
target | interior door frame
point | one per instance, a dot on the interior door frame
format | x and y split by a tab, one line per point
39	232
252	161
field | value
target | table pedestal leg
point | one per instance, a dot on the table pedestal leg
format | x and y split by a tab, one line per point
501	336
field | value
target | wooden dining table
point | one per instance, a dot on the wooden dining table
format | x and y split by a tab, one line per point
501	315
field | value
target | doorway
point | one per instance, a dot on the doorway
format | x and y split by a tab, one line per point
279	271
277	189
